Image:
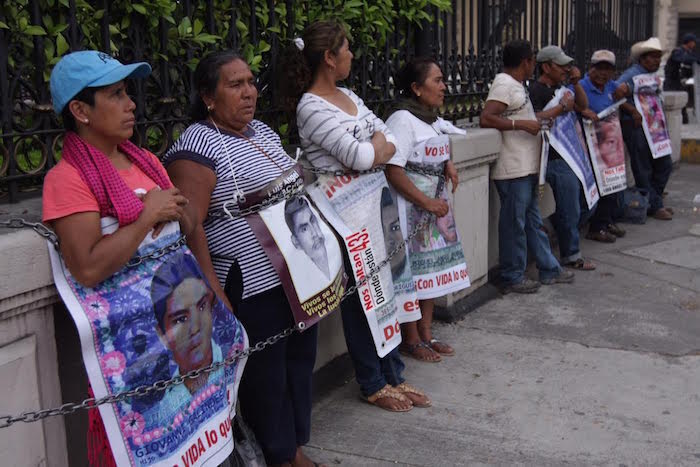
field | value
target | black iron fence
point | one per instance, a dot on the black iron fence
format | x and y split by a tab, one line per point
467	40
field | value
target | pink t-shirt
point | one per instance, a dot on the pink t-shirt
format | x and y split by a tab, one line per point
66	193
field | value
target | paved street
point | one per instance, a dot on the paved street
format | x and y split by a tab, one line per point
602	372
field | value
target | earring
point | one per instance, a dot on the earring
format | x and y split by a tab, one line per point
418	94
209	107
86	121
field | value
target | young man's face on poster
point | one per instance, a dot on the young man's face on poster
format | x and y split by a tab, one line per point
187	324
391	227
307	235
610	144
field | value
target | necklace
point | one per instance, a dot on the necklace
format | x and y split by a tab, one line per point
257	146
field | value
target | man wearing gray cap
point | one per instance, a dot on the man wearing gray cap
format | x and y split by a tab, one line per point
555	67
680	66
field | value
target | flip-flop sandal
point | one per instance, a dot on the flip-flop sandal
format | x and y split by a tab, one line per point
410	351
387	391
581	265
405	388
441	347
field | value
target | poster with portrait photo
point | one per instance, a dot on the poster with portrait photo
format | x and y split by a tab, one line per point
566	137
607	152
648	102
150	322
302	248
352	204
437	260
401	274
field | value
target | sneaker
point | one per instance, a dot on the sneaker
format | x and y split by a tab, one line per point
616	230
564	277
524	286
601	236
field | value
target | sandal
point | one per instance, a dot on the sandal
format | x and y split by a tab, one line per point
416	396
441	347
581	264
417	351
388	392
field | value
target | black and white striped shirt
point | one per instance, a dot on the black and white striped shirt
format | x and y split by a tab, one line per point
228	238
333	139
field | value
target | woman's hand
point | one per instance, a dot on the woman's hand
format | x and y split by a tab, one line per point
162	206
436	206
383	150
451	175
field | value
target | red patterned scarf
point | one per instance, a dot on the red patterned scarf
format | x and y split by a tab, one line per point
114	197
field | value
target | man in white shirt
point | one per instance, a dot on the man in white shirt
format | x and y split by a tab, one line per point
508	109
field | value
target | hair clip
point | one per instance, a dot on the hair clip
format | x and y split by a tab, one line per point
299	42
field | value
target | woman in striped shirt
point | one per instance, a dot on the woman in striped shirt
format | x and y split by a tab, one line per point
223	156
337	131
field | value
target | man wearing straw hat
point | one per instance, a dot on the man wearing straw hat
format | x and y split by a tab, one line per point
649	173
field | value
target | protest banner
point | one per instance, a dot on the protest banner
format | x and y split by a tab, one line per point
153	321
437	260
353	203
648	102
544	158
607	152
301	247
566	137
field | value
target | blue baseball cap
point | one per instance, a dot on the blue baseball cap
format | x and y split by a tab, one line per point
86	69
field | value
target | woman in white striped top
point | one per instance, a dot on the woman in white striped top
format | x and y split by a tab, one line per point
225	154
337	131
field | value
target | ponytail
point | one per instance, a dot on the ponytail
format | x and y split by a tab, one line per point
299	65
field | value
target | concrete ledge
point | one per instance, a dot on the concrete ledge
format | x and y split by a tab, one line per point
477	144
460	308
675	100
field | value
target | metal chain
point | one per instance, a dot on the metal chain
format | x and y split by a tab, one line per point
288	192
161	385
37	227
182	239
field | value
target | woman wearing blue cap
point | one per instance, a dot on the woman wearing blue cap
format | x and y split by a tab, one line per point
102	176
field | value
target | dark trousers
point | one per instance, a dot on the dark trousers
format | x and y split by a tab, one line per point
372	373
275	391
649	174
604	213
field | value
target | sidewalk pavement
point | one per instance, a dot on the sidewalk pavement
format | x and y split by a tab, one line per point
602	372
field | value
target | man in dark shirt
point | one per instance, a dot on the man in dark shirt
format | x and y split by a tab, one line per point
679	66
554	69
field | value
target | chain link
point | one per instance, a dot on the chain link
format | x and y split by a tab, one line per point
162	385
37	227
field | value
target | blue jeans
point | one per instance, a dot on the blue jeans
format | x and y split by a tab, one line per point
372	373
520	229
649	173
567	195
